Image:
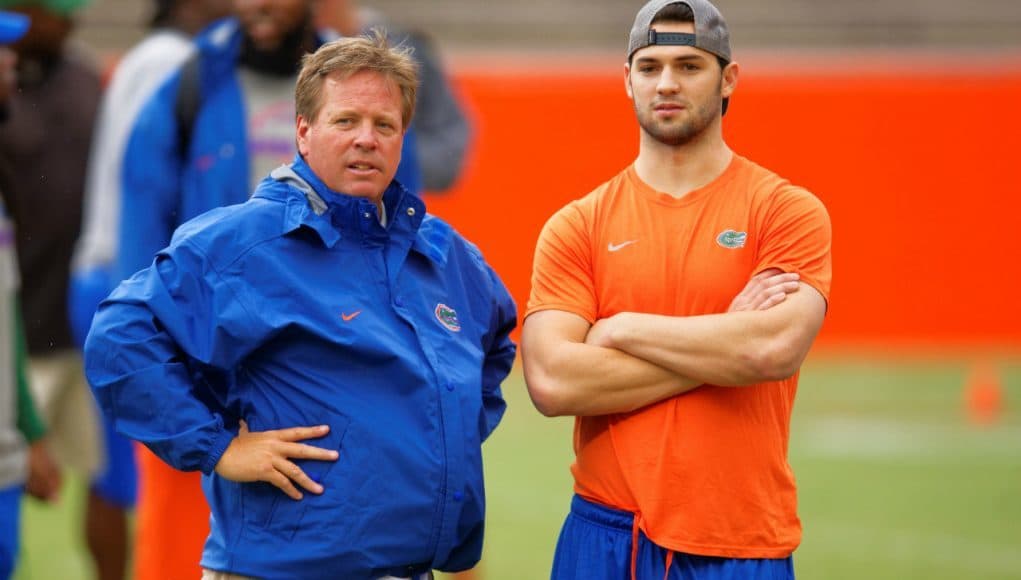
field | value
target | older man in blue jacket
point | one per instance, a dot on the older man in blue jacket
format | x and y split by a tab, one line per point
327	354
216	123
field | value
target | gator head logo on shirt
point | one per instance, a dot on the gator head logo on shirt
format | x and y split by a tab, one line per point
731	239
448	317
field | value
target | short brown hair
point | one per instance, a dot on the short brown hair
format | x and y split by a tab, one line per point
347	56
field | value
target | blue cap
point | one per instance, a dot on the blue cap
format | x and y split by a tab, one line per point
12	26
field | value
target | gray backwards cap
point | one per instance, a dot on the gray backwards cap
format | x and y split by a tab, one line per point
711	33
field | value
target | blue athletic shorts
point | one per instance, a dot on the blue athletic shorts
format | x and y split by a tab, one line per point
595	544
117	483
10	522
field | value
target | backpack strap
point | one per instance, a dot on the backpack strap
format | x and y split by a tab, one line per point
186	106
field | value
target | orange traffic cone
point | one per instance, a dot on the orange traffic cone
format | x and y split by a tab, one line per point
983	395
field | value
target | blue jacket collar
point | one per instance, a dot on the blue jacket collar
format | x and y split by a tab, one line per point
393	197
329	213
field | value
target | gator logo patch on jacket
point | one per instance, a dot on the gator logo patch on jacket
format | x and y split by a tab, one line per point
448	317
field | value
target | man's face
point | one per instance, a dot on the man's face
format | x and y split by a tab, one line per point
46	35
267	22
677	91
354	144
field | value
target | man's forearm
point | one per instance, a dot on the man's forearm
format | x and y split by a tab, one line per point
736	348
580	379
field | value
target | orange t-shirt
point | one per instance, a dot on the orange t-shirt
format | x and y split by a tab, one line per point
706	472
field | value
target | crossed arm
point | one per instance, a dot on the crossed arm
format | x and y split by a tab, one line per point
631	360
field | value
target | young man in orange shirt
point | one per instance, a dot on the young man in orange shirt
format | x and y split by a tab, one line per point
671	309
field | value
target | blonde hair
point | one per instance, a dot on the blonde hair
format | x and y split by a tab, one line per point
347	56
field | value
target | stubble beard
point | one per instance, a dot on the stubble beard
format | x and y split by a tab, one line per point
675	135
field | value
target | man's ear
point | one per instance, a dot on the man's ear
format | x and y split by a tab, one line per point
729	83
301	130
627	80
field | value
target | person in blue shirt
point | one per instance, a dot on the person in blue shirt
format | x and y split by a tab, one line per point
327	354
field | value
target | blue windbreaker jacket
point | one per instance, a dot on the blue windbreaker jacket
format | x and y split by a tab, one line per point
298	308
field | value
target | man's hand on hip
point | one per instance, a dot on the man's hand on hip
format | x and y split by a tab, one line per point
266	456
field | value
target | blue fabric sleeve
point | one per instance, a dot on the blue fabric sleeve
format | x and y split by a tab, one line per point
88	287
148	348
151	183
500	351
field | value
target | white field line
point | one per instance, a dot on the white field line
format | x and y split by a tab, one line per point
887	439
974	559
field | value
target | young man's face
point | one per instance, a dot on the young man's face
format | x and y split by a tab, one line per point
677	91
267	22
354	144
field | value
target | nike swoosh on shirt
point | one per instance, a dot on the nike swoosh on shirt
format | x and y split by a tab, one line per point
615	247
350	317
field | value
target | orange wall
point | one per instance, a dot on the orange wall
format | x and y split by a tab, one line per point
919	166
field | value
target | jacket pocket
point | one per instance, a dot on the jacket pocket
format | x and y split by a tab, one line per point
266	506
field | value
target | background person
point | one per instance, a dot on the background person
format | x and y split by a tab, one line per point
139	73
24	458
682	393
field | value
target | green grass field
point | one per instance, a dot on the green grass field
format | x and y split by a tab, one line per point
895	483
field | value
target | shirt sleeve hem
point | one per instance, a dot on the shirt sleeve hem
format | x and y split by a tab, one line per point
563	307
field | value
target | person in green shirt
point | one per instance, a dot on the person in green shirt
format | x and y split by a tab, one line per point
25	463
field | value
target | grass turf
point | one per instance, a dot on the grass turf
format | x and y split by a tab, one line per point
894	482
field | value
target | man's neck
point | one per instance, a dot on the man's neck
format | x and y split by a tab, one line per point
681	169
